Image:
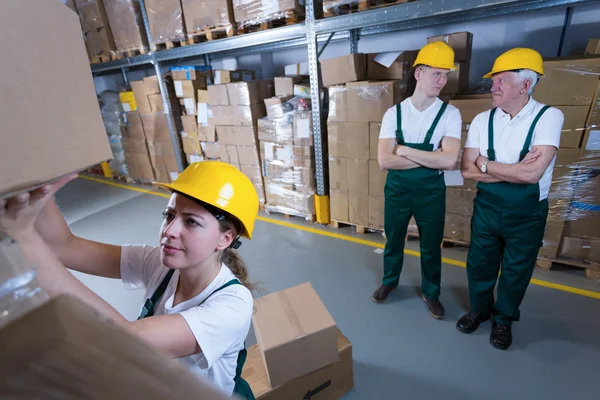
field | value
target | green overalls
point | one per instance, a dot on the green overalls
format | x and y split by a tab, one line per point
420	192
242	388
507	229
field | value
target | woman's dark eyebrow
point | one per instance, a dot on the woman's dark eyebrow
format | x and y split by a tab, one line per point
193	215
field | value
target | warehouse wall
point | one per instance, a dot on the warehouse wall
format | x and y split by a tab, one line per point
540	30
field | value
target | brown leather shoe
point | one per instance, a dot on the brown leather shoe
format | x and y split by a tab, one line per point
435	308
382	293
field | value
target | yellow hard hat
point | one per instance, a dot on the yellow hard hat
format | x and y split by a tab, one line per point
515	59
437	55
220	185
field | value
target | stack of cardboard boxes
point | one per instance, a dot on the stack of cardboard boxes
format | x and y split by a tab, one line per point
251	13
126	25
148	146
286	149
98	35
165	18
300	351
200	15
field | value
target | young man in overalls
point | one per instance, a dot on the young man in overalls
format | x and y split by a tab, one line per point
510	151
419	137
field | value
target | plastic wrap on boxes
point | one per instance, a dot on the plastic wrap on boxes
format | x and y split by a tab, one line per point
368	101
277	130
332	8
201	14
112	115
92	14
284	199
126	23
166	20
253	12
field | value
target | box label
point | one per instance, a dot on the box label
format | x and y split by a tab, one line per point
178	89
303	128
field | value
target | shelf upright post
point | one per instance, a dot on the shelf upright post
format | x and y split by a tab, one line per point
353	41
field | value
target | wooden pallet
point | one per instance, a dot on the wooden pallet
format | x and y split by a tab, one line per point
273	210
281	19
119	55
592	270
362	229
100	58
168	44
212	33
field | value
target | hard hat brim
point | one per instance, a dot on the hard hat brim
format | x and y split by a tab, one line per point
445	66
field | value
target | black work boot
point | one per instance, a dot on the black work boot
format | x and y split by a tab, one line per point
435	308
382	293
501	336
469	322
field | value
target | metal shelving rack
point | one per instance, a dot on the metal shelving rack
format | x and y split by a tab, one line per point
418	14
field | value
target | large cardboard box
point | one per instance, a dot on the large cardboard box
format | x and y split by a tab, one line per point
294	324
134	145
166	20
218	95
141	98
573	126
284	86
338	173
368	101
53	140
374	128
568	82
552	238
248	115
243	93
344	69
248	155
461	43
225	135
156	102
377	178
256	9
191	146
277	130
156	126
337	104
225	76
358	176
339	205
457	227
331	382
348	139
164	161
220	115
358	209
190	126
206	14
458	80
126	24
245	136
63	335
253	172
192	72
189	88
376	211
383	66
99	42
140	166
470	108
460	201
584	214
303	128
92	14
135	129
579	249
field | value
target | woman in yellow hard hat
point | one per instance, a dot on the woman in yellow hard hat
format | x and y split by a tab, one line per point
419	138
199	301
510	150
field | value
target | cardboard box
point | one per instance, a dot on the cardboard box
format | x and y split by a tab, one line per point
245	136
584	215
338	174
266	88
92	14
206	14
191	107
284	86
348	139
127	101
52	141
190	126
458	80
303	128
156	102
193	72
203	96
376	211
156	126
552	239
189	88
218	95
247	115
344	69
99	42
460	201
248	155
223	76
377	178
225	135
276	106
232	154
374	128
470	108
166	20
296	69
191	146
358	177
305	332
461	43
220	115
337	104
368	101
253	172
126	24
135	129
330	382
134	145
277	130
141	98
256	10
358	209
383	66
339	205
66	329
458	227
593	47
207	133
243	93
593	121
164	161
140	166
568	82
211	150
579	249
573	126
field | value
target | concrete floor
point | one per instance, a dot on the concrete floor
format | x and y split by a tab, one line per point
399	350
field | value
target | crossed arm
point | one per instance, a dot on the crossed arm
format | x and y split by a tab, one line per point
396	157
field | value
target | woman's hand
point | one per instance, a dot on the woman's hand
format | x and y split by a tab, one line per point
18	214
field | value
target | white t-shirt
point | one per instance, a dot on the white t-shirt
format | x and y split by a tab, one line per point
220	325
510	135
415	123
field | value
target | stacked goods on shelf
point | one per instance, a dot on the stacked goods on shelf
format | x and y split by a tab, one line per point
332	8
287	153
462	44
253	15
208	19
326	367
98	35
166	24
135	146
157	138
227	125
356	108
112	115
56	140
127	27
